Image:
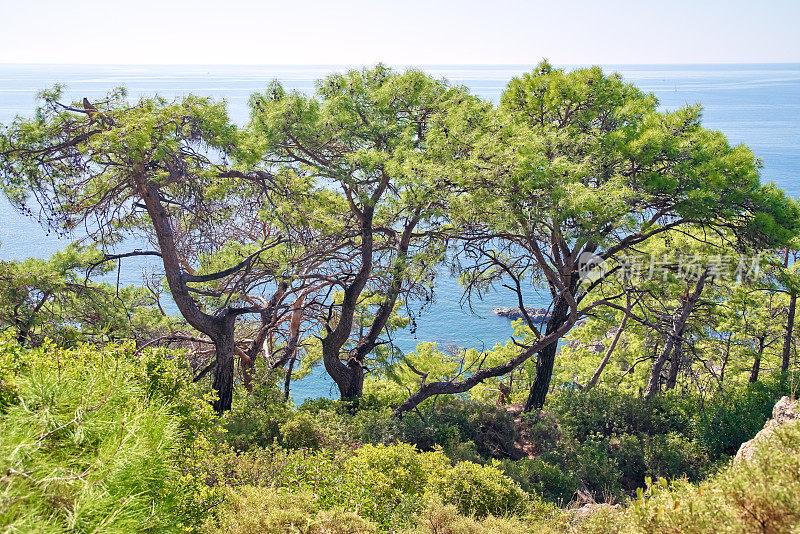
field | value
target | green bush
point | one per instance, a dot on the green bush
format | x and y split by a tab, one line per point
602	413
303	431
255	418
251	510
479	490
438	518
489	428
760	495
600	472
392	481
729	420
538	477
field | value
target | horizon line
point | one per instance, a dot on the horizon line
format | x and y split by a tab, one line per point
42	63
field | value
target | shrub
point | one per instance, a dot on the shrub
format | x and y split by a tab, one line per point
674	456
756	496
479	490
538	477
251	510
490	428
438	518
728	421
393	480
303	431
255	419
600	473
599	412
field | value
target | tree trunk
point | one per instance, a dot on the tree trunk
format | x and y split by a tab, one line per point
675	364
349	378
678	326
225	349
787	340
607	356
725	360
220	328
546	359
288	381
757	360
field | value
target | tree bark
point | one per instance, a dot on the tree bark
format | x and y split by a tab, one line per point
787	340
349	377
678	326
675	364
225	350
546	359
757	360
450	387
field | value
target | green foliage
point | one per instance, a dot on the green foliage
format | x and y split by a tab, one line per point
538	477
57	299
89	443
603	413
120	440
302	431
753	496
732	418
438	518
250	510
479	490
488	428
256	419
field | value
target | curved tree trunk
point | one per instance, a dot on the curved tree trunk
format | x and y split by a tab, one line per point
220	328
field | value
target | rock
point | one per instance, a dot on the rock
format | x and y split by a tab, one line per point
785	411
537	315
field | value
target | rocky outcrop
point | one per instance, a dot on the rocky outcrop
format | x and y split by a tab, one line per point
537	315
785	411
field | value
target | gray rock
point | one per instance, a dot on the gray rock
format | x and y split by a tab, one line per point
785	411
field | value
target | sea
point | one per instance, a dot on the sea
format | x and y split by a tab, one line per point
754	104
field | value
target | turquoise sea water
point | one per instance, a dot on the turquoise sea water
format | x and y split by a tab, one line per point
756	104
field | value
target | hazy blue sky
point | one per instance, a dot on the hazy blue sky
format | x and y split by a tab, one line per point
399	32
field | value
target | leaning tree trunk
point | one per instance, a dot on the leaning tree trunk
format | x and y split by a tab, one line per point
674	335
607	356
787	340
220	328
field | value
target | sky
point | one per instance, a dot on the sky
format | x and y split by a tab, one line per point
410	32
